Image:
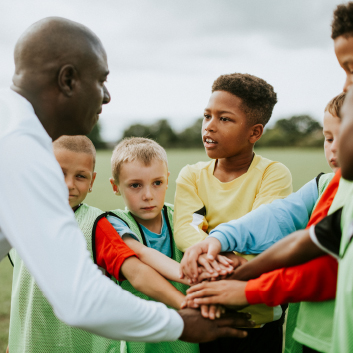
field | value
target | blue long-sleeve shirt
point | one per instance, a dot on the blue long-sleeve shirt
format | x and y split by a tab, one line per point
261	228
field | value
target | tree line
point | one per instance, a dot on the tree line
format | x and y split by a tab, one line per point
296	131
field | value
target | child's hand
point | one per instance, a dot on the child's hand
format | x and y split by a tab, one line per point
220	265
188	266
236	260
228	293
212	311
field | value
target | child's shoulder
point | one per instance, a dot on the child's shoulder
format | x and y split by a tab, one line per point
195	169
266	165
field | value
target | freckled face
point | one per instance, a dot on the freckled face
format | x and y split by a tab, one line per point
225	132
331	131
78	173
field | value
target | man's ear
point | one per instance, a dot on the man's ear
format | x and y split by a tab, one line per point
67	79
115	187
92	181
256	132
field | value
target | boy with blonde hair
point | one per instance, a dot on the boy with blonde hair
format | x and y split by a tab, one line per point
140	176
33	324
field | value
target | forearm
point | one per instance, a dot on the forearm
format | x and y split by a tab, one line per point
295	284
167	267
278	219
146	280
295	249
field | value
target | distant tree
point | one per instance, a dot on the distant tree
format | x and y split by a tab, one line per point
137	130
191	136
299	130
96	138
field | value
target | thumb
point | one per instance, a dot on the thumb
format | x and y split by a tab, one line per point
212	251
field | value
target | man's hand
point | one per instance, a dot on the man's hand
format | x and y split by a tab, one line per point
229	293
189	264
198	329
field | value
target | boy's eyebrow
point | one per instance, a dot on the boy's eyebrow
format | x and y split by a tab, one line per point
220	112
138	180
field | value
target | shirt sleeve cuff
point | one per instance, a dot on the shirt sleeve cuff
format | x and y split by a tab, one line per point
252	292
221	238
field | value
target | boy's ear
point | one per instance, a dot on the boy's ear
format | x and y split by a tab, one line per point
256	132
168	177
115	187
92	181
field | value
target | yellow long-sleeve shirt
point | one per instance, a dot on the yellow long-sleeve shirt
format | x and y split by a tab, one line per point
202	202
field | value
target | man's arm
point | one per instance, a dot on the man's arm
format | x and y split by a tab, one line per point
47	238
287	285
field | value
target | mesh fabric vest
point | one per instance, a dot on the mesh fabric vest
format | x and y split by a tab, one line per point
33	324
161	347
314	322
291	345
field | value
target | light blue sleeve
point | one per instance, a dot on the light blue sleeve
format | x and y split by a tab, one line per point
261	228
120	226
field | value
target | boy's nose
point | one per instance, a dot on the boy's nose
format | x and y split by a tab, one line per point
148	194
209	125
69	183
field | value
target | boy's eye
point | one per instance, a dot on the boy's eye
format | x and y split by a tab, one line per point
81	176
223	118
158	182
206	116
134	185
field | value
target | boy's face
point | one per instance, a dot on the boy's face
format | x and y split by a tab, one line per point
344	53
331	131
225	131
78	173
143	188
345	139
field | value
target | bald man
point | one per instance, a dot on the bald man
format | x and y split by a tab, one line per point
59	88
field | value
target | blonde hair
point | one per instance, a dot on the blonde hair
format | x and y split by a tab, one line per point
136	148
335	104
78	144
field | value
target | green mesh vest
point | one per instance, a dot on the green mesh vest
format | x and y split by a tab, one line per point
161	347
291	345
33	324
314	322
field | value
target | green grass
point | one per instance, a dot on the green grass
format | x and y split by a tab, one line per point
303	164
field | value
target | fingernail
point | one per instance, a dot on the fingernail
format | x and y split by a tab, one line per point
252	323
218	315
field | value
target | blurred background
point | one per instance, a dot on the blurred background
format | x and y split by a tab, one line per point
163	58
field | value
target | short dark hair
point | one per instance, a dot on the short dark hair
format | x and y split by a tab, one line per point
342	23
257	95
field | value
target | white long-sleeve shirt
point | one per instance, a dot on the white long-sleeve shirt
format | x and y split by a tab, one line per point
36	219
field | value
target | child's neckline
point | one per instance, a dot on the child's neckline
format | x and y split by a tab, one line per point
243	175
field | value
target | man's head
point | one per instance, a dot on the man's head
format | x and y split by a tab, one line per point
61	68
332	122
140	175
76	156
342	34
239	108
345	138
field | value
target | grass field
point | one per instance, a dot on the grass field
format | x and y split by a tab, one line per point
303	164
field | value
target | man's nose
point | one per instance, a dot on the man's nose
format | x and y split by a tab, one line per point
106	98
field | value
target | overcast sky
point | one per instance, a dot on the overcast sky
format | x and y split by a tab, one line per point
164	55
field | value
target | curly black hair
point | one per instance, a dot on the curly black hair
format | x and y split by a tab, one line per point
342	23
257	95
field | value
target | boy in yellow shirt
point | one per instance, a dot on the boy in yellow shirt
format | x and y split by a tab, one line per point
234	183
